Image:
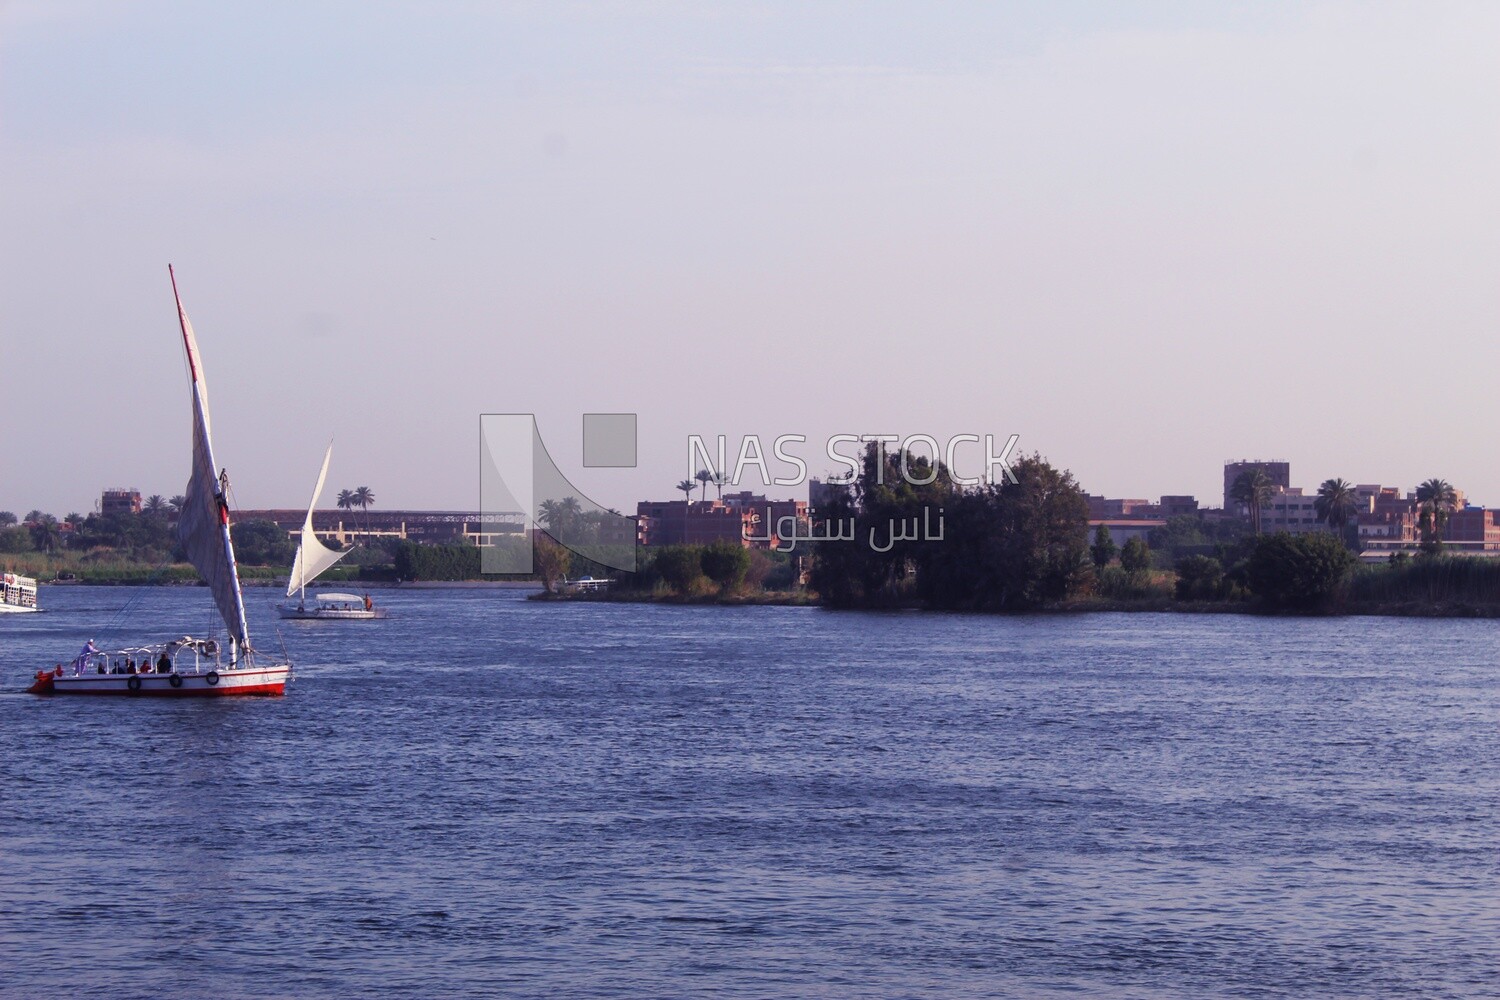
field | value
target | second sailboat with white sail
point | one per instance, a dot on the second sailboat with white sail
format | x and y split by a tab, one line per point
313	560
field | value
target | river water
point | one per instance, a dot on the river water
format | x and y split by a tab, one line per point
485	796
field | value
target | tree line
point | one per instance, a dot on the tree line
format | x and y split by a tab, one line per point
1004	546
1337	501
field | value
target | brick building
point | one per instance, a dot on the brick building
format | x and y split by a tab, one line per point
120	501
1278	472
744	518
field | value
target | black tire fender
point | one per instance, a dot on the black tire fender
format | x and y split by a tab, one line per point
212	678
134	683
176	680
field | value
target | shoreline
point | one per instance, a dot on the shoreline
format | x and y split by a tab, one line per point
1076	606
269	583
1082	606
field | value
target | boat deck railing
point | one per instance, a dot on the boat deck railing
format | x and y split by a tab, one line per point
147	659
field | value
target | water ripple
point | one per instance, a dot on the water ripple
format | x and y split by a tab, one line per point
485	796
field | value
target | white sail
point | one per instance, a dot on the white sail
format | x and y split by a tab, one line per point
203	526
313	557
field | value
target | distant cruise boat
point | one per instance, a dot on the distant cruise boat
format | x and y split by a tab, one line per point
17	594
313	560
186	666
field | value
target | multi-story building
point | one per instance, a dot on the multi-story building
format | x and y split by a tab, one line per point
1112	508
1292	511
1392	523
772	516
1178	506
1119	509
744	518
1472	529
1387	529
820	493
693	522
1469	531
1278	472
120	501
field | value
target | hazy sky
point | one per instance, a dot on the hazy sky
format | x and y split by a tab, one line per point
1145	238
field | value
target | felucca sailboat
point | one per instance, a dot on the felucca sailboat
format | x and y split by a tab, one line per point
313	559
186	666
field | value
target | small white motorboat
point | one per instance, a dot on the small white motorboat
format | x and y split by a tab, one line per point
17	594
327	605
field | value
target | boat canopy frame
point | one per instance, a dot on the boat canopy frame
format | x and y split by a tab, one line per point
143	658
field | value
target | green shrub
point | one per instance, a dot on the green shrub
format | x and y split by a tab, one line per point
1199	578
1135	556
437	562
725	563
262	543
1301	572
1102	551
1116	584
679	566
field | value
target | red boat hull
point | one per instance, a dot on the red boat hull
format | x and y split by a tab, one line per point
262	681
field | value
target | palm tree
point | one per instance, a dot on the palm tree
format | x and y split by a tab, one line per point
560	516
1435	498
155	505
345	500
45	534
1254	489
687	486
362	497
719	480
1335	504
548	514
178	502
34	516
7	518
704	477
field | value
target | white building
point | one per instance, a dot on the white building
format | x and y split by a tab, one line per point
1295	512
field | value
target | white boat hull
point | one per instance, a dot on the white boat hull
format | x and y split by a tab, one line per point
330	614
208	684
15	609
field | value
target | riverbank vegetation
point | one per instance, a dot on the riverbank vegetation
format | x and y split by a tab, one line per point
1008	546
1023	544
128	548
721	573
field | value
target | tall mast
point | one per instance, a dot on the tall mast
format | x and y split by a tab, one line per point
204	524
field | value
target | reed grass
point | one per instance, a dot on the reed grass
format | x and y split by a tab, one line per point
1433	580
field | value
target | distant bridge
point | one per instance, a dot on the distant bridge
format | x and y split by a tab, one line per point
432	527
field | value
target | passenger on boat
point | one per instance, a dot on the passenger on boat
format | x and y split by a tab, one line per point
81	661
164	664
